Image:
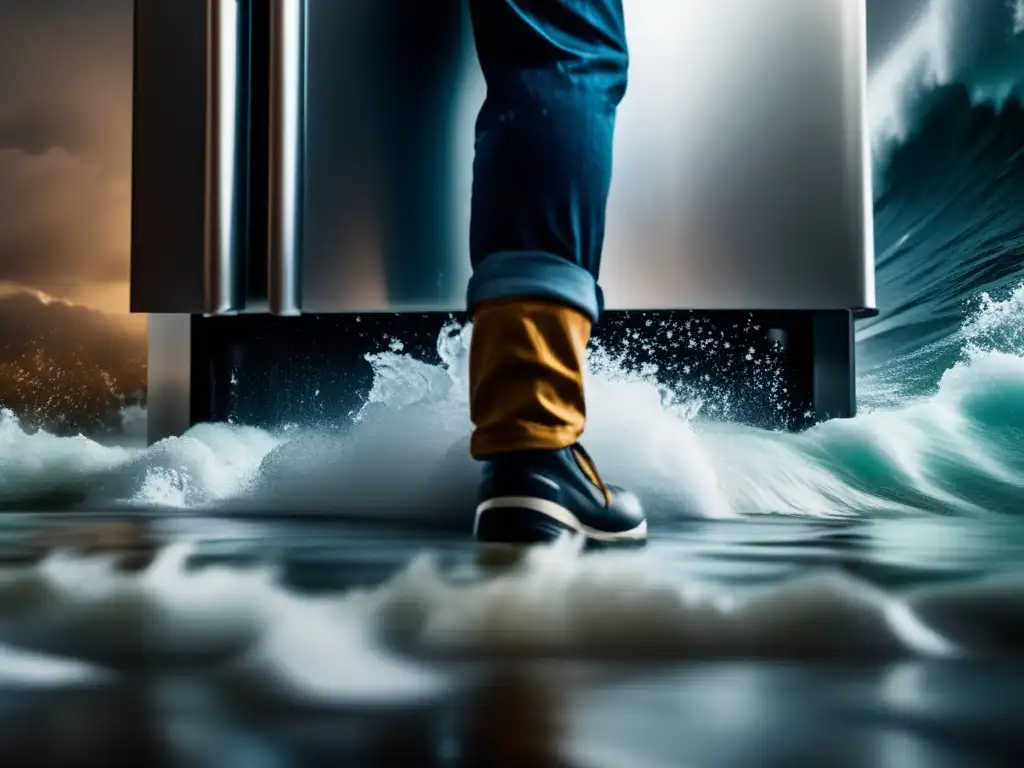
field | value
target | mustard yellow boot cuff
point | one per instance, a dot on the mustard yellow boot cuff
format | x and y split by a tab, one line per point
526	376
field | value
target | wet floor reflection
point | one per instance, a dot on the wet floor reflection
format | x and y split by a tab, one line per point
182	706
110	726
322	553
735	714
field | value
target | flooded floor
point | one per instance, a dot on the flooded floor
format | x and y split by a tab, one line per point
705	714
210	641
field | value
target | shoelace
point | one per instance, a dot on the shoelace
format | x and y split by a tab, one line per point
590	470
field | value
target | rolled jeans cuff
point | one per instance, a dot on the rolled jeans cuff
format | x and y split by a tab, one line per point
535	275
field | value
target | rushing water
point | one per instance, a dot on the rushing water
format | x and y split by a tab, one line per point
894	535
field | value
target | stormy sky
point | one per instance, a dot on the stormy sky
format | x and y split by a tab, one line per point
65	131
65	148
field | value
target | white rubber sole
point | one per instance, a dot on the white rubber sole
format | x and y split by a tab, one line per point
560	515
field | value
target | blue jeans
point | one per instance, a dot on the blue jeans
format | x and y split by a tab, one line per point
555	72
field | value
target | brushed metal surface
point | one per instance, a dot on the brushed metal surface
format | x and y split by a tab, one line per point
392	94
169	156
286	130
742	176
169	387
741	164
741	170
222	260
187	153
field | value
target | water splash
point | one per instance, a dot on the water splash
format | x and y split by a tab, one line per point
406	455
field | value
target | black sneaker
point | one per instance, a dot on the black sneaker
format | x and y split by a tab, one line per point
534	496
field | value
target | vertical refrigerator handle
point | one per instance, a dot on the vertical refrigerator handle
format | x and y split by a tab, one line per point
286	134
223	278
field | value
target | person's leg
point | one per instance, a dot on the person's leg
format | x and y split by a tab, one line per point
556	72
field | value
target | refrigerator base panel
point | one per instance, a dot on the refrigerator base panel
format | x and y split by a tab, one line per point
770	369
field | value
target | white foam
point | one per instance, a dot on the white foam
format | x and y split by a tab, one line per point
407	455
38	463
317	650
617	605
84	606
34	670
209	463
334	648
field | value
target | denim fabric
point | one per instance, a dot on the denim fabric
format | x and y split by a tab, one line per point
556	71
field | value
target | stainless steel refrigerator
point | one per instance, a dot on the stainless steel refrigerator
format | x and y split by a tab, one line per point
299	165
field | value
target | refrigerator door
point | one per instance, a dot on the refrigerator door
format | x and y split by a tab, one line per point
189	157
742	170
316	156
392	93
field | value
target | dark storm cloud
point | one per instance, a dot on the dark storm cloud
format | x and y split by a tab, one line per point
65	145
63	68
